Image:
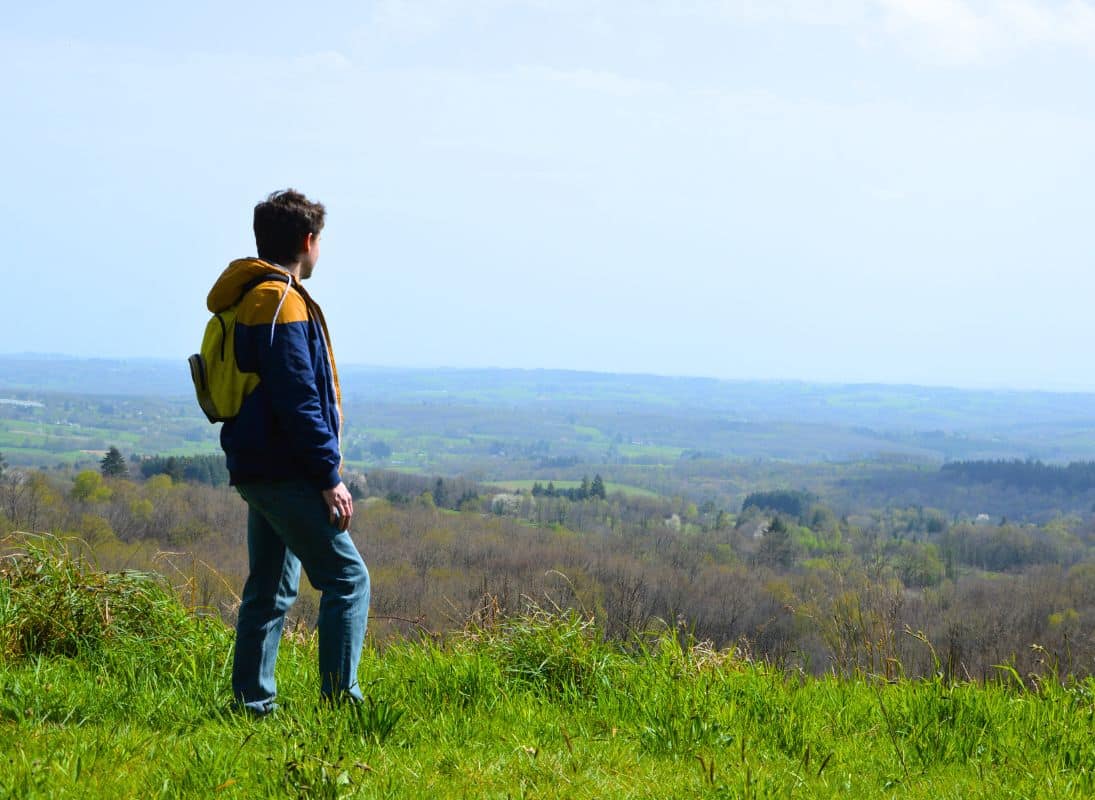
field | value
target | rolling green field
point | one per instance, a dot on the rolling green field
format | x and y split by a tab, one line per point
110	688
610	488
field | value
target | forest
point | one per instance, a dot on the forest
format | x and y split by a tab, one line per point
782	577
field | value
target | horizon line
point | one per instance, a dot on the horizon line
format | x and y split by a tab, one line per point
985	387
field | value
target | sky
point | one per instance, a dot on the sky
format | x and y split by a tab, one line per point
888	191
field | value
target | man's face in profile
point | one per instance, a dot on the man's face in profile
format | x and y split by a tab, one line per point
309	256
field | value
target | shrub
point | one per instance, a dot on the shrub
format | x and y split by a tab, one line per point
560	653
53	602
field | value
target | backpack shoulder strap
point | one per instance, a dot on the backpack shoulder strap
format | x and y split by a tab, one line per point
254	282
278	277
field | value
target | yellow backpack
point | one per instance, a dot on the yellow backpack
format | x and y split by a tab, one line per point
219	383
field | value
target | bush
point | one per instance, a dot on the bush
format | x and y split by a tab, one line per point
53	602
558	653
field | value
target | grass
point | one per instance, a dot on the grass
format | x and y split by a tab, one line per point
134	704
38	442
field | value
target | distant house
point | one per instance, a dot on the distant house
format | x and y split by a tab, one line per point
755	529
982	519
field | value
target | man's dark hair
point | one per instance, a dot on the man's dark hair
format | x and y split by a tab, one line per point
282	221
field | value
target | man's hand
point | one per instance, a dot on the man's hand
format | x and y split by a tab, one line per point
340	505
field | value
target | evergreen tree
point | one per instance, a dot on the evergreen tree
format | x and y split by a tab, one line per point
113	465
208	469
583	490
777	549
173	468
597	488
3	464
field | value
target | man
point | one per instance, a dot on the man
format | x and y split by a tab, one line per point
284	459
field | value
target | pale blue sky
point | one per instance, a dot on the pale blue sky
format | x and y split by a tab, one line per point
854	190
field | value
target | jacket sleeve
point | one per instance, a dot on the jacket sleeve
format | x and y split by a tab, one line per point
285	368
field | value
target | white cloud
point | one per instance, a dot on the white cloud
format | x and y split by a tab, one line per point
961	32
944	30
1031	23
953	32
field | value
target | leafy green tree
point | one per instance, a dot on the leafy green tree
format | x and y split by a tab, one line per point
113	465
88	487
919	565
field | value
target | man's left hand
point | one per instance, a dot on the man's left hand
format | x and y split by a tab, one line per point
340	505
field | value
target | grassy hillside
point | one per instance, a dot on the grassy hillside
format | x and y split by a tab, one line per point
110	688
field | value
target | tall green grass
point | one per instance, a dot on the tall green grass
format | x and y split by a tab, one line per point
53	603
109	687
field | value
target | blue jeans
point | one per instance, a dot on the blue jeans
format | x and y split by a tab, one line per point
288	527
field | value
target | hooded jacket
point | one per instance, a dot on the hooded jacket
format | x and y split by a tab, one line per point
289	426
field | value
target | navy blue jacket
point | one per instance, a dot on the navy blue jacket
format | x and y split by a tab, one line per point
289	426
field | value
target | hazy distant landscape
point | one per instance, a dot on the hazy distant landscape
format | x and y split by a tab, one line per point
857	446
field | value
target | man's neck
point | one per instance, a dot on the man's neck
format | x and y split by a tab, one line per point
293	268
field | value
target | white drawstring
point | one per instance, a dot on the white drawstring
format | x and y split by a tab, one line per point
288	285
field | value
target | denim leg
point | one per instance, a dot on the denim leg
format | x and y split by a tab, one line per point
269	592
298	515
343	616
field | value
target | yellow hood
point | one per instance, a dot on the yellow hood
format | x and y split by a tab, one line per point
229	287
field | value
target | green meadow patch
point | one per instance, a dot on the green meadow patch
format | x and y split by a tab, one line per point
610	488
110	688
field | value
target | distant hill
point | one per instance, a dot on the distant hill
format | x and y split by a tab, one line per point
518	424
59	373
879	407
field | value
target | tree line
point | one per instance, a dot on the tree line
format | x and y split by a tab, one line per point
1077	476
816	591
586	490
